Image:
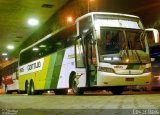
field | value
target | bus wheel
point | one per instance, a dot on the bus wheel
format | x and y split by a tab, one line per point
117	90
74	86
31	88
60	92
27	89
6	89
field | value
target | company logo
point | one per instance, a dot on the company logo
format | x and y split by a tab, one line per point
118	67
31	67
34	66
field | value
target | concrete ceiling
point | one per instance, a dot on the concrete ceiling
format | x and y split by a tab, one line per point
13	19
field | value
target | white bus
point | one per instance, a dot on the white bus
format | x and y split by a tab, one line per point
10	77
79	57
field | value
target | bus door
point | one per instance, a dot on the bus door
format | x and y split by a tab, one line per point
86	58
90	59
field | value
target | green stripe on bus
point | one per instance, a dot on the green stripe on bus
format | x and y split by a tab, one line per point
50	71
57	68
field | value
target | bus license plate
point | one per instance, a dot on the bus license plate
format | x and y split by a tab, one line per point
129	79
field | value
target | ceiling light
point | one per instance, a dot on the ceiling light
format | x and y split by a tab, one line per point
4	54
10	47
6	59
42	46
33	22
69	19
35	49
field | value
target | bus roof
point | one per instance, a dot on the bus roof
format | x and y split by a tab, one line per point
106	13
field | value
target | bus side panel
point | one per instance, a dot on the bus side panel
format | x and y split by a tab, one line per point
42	76
53	72
68	65
81	76
37	74
50	69
24	78
21	82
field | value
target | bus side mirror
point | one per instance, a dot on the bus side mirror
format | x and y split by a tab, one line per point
155	34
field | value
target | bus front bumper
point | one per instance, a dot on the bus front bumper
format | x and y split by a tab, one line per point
111	79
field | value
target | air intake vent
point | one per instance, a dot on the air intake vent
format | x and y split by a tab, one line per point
47	5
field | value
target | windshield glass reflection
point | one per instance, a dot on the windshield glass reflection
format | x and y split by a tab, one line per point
124	44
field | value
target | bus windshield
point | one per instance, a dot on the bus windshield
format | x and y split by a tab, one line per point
130	42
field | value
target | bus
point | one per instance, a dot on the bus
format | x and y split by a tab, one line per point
10	77
154	45
75	57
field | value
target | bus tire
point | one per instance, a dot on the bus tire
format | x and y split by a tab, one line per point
117	90
32	88
6	89
76	90
27	88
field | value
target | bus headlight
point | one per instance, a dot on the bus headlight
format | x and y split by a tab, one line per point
106	69
111	58
147	70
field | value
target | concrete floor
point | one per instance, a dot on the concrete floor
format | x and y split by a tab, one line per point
91	103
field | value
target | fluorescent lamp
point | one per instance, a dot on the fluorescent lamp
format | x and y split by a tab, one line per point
42	46
10	47
6	59
33	22
35	49
4	54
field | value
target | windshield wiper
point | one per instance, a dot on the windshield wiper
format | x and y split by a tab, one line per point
141	36
138	56
124	47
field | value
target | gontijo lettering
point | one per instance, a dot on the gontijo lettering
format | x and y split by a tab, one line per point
34	66
31	67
